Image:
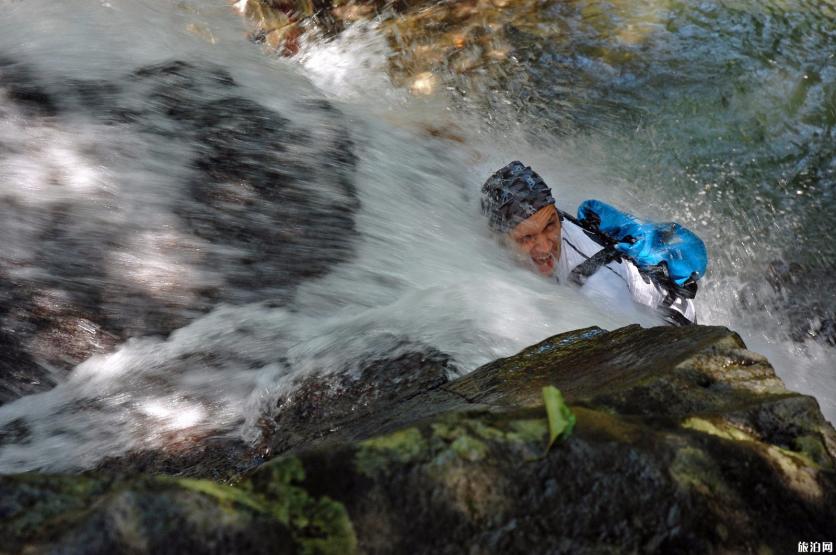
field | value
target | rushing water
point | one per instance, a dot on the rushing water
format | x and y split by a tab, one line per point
137	210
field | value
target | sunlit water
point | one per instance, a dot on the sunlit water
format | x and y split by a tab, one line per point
420	268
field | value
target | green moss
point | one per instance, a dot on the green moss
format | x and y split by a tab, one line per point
328	531
532	430
809	450
318	525
693	469
275	481
376	454
719	429
812	447
446	429
799	472
485	431
227	496
39	505
469	448
468	436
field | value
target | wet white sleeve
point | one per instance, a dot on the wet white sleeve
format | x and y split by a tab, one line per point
650	294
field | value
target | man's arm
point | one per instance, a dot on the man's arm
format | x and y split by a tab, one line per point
675	309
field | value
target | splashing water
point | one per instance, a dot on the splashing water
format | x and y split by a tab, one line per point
383	221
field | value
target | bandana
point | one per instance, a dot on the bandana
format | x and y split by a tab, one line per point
513	194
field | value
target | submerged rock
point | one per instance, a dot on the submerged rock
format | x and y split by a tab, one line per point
19	374
684	441
795	291
134	205
323	408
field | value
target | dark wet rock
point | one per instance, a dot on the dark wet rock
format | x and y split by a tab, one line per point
19	374
18	85
796	292
246	223
684	442
215	458
321	409
15	431
332	408
45	514
481	482
733	461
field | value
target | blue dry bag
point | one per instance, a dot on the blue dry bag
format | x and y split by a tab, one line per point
648	244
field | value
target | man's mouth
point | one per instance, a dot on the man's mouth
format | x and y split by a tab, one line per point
544	262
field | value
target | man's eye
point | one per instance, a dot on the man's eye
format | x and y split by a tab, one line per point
526	239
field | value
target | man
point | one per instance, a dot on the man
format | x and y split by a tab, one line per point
520	206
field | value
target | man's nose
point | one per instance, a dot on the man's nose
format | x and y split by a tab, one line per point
542	243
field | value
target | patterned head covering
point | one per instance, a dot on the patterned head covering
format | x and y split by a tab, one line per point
512	194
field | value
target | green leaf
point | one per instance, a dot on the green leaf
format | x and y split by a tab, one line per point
561	419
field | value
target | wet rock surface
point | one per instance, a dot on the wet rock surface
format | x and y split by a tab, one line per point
45	514
19	374
684	441
795	290
321	409
232	217
331	409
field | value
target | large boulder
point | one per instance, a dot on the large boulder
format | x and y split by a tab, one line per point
684	441
132	205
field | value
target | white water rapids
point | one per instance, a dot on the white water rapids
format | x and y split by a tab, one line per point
422	266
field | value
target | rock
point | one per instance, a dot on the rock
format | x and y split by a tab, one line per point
321	409
22	88
221	459
684	442
241	222
19	374
731	462
795	291
330	409
537	53
42	514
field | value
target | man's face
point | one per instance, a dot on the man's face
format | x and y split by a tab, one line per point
538	237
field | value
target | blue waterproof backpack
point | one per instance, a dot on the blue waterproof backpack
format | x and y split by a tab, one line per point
665	250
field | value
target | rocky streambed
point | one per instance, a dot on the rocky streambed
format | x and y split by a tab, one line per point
685	441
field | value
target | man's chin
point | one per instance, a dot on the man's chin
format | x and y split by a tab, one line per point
544	268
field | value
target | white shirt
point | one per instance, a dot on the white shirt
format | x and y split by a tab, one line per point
616	278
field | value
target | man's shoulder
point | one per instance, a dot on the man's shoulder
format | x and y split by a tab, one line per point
580	239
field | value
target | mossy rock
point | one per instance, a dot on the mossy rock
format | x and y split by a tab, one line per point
684	441
74	514
483	481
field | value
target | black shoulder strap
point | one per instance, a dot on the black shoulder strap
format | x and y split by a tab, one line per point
582	271
592	264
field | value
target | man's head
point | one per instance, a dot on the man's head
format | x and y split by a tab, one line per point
519	204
